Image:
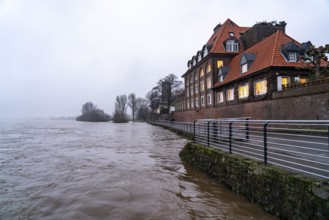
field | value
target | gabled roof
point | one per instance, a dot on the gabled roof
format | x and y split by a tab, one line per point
223	33
268	54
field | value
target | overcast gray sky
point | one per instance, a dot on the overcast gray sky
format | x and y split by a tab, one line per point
56	55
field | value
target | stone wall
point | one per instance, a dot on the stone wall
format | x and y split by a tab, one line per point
310	103
285	195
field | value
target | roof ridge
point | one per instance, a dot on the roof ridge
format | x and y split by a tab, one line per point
274	47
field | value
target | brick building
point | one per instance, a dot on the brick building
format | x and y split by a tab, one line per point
242	72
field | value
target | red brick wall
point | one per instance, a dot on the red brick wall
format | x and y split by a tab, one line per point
306	107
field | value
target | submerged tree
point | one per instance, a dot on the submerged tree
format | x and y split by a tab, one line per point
119	115
132	103
91	113
88	107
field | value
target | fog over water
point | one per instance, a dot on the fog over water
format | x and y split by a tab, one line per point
52	169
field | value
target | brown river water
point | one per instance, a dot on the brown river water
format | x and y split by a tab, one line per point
56	169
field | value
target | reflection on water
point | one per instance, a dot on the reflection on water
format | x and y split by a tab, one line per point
74	170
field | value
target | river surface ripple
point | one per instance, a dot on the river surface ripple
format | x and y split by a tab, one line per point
52	169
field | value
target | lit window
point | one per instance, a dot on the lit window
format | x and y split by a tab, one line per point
208	68
303	80
230	94
261	87
197	102
219	63
244	68
202	100
244	91
232	46
292	57
208	82
202	86
220	97
285	82
208	99
300	80
196	88
201	73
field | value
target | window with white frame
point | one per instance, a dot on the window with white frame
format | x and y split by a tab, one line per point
205	52
244	91
202	101
220	97
232	46
208	99
196	88
197	102
208	82
261	87
201	72
202	86
208	70
230	94
244	68
292	56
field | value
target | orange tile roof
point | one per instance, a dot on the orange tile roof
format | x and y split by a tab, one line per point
268	54
222	34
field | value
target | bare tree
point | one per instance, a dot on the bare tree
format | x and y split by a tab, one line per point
132	103
142	109
170	87
153	98
120	109
318	58
88	107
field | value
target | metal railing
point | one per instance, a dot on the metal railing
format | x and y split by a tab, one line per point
298	146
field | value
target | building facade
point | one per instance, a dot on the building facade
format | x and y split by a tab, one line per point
242	65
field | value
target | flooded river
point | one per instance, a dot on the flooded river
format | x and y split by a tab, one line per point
53	169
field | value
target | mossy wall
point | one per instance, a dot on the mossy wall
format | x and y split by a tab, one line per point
285	195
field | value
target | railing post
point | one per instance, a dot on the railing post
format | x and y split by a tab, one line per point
230	136
208	133
194	131
247	129
265	142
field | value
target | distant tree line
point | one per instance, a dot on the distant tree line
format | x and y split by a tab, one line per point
158	100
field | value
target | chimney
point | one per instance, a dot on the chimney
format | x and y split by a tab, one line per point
260	31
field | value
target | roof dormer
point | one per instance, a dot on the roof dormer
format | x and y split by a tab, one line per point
290	51
222	72
231	45
246	61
